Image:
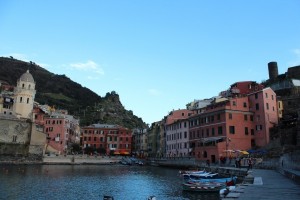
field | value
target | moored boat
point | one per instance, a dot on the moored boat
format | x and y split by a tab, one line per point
203	187
192	172
225	191
202	175
193	179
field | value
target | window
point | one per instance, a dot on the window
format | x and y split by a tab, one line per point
27	100
213	131
251	118
246	131
185	134
207	132
246	117
272	97
266	95
230	115
253	144
14	138
232	129
218	116
245	105
233	103
252	131
267	105
256	96
257	106
258	127
21	99
220	130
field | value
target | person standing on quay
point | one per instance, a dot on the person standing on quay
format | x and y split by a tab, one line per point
207	163
249	164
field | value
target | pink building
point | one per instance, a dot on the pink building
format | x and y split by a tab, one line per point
177	137
56	132
236	121
61	129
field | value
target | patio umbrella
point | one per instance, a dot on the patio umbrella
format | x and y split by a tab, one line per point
244	152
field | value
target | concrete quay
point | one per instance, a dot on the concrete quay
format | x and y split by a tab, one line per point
266	184
78	160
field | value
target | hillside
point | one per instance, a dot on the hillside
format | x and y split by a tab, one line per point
61	92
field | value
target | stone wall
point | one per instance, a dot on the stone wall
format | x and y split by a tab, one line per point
290	161
14	136
14	131
13	149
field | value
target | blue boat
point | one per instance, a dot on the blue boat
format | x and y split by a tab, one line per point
195	179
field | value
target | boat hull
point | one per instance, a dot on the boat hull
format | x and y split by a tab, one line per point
202	187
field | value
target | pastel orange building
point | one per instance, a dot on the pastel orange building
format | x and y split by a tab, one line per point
114	139
239	119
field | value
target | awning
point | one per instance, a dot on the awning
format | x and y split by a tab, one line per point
260	151
211	139
116	153
125	153
243	152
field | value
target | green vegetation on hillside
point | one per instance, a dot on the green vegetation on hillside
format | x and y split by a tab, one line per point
63	93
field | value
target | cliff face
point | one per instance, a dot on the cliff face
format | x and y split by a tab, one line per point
61	92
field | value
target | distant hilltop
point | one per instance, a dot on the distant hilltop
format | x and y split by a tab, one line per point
61	92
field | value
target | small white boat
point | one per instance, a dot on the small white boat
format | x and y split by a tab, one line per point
225	191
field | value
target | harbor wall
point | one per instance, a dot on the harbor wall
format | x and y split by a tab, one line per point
69	159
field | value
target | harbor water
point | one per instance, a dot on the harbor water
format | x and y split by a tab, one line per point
93	182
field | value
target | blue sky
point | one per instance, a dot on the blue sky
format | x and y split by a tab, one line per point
158	55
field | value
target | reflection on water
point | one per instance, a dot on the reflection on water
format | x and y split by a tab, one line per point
92	182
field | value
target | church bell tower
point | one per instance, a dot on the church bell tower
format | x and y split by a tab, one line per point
24	94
